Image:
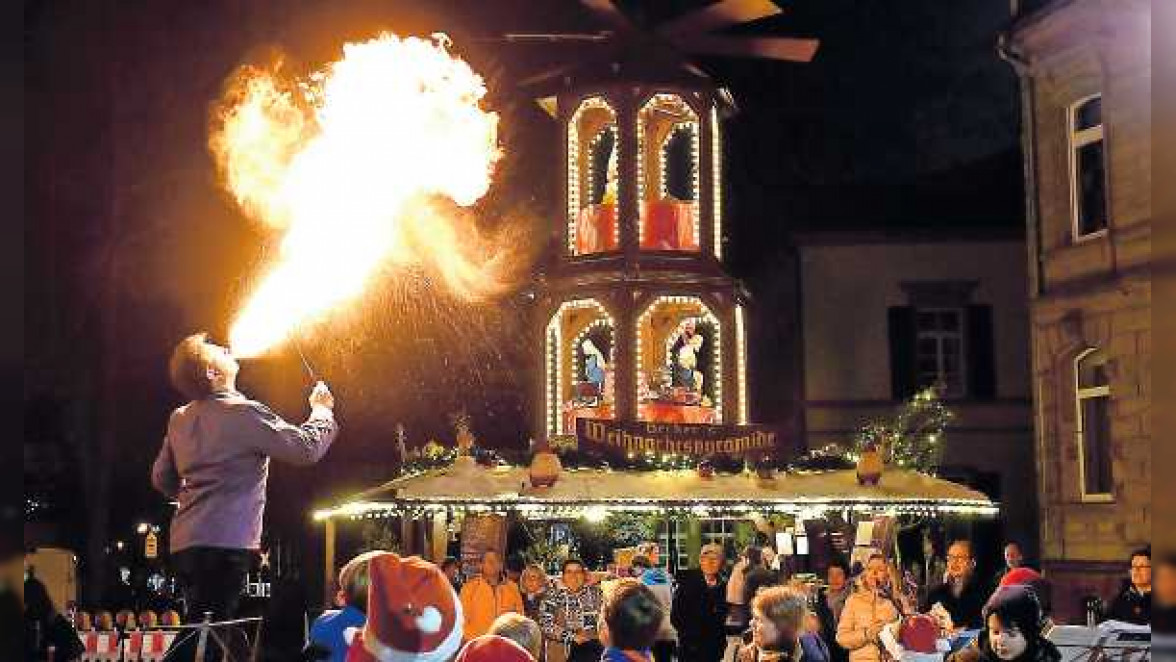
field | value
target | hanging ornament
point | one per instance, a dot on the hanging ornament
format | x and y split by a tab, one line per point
545	466
869	465
706	470
765	469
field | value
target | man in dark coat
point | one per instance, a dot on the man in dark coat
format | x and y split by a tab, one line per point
962	592
699	608
1133	604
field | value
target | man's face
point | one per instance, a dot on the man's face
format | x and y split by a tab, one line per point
959	560
574	576
491	565
1165	586
877	575
1012	555
221	360
763	631
836	577
1007	642
710	564
1141	572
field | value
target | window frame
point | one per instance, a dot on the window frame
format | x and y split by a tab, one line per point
1076	139
939	336
1081	395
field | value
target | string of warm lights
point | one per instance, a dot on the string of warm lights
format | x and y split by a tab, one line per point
741	364
598	510
716	184
573	167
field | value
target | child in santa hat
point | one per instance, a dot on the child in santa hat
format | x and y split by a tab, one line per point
413	613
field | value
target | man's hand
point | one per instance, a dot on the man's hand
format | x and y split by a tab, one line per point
873	631
321	397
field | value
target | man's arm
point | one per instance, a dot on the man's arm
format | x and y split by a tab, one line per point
295	444
164	476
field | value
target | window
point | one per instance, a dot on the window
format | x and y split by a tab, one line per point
939	349
1093	398
1088	183
680	532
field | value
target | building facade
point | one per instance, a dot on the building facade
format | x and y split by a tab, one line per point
887	314
1085	70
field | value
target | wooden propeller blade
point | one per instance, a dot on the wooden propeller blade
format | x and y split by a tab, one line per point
716	16
794	49
546	75
610	13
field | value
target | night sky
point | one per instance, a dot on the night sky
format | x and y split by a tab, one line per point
905	119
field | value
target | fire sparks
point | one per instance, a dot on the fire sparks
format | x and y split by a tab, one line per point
345	163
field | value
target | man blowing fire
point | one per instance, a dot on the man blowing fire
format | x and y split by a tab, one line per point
215	462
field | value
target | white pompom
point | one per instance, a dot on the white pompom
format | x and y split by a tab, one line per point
429	621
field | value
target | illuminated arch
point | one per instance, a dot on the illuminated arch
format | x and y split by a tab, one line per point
559	363
586	126
661	117
704	313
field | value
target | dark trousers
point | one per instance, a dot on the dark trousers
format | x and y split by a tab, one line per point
211	579
663	651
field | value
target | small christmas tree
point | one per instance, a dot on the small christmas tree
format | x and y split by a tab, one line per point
913	438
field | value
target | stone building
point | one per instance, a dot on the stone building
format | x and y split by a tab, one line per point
1085	72
886	314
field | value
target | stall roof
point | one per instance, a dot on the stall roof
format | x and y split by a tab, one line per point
468	486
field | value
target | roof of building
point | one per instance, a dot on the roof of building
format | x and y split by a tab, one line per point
465	485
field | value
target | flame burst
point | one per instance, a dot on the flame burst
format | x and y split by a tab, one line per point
348	163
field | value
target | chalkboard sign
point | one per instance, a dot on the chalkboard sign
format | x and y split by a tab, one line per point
478	534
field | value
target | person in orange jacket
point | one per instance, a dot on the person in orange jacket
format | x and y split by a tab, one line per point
488	596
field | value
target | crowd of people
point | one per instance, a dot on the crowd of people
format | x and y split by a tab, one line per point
744	610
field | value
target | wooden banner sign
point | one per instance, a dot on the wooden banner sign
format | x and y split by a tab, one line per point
479	534
640	438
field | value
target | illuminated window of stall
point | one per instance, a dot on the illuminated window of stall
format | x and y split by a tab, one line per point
679	362
668	188
593	179
580	340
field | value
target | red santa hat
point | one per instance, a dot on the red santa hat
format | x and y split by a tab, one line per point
493	648
413	615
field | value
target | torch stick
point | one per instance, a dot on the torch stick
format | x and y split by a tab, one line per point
305	363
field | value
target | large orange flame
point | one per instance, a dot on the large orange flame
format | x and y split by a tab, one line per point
343	162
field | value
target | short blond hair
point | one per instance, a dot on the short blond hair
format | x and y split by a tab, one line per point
784	606
188	367
519	629
354	579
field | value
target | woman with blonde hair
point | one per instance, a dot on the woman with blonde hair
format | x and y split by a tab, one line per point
778	632
533	585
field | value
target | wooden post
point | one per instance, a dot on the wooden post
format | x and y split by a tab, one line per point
329	579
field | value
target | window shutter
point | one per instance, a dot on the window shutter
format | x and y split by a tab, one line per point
901	325
978	343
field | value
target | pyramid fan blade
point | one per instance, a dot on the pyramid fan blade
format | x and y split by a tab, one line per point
610	13
546	75
776	48
716	16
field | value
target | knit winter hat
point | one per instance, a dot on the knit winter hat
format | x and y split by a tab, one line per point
493	648
1016	606
413	615
1033	579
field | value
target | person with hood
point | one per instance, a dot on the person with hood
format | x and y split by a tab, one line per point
630	619
659	583
867	612
1133	604
1012	632
777	629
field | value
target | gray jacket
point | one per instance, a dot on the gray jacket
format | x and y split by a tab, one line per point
215	462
